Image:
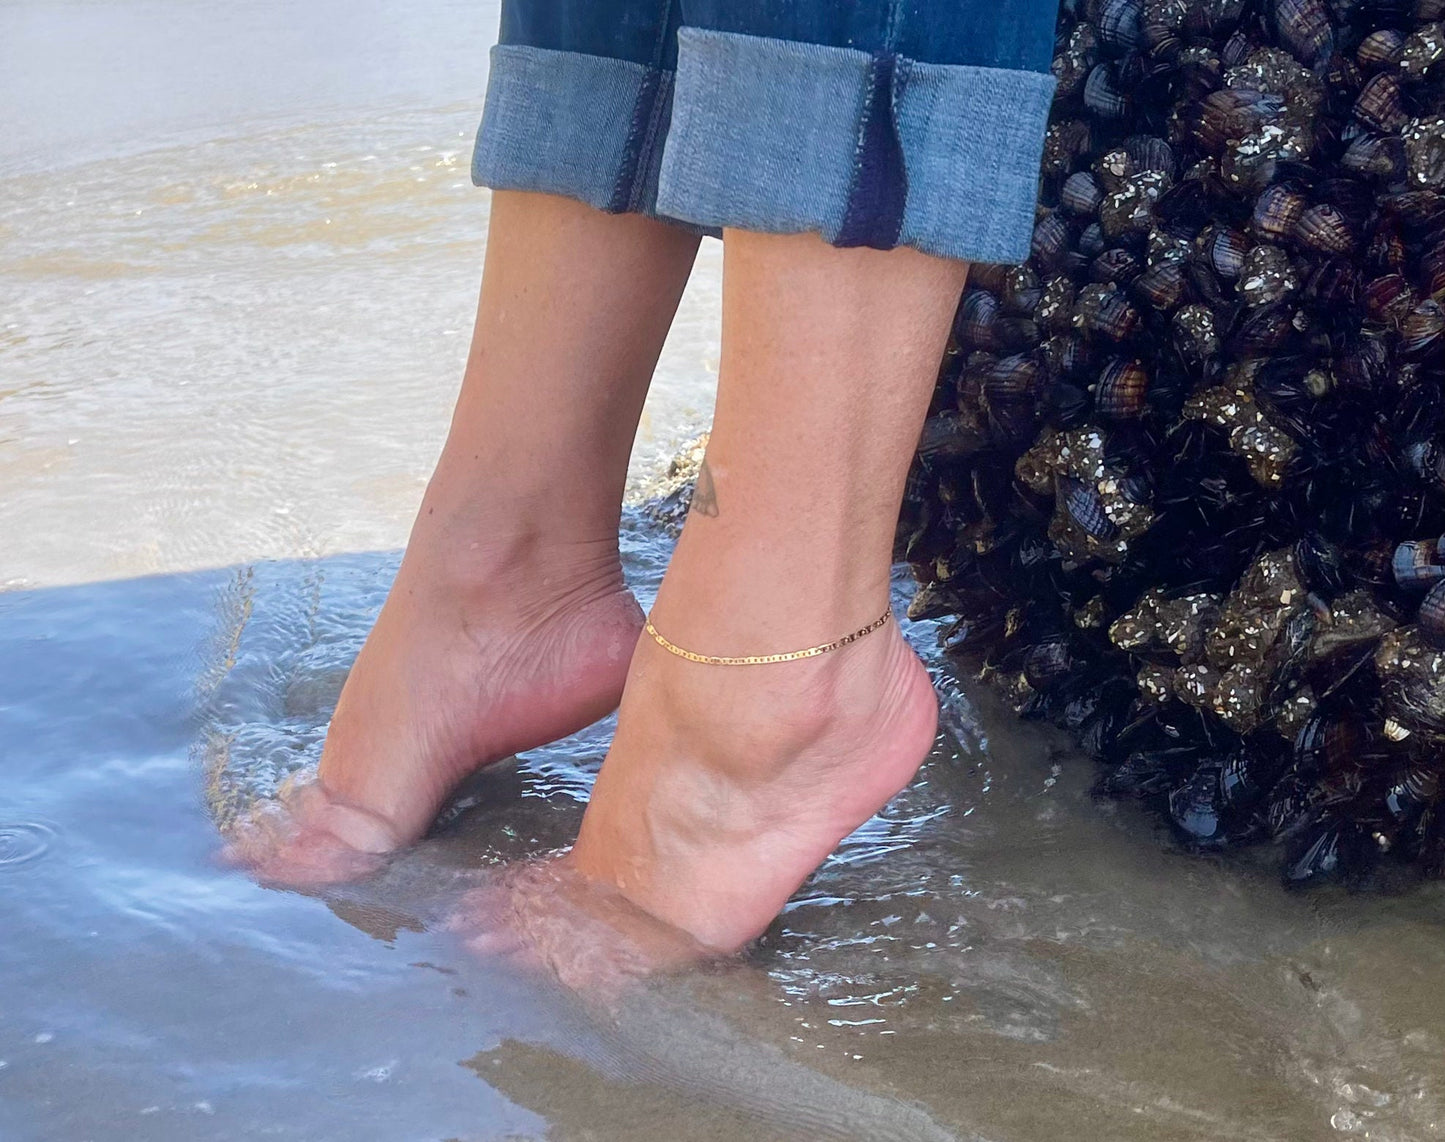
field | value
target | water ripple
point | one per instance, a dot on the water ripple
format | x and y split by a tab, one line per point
23	842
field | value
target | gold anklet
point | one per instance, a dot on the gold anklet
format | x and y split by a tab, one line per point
758	659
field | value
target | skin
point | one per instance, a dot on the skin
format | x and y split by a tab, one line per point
509	626
727	785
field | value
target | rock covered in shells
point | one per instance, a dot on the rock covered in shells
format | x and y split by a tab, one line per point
1184	480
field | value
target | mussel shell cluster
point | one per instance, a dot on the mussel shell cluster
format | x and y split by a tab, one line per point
1183	484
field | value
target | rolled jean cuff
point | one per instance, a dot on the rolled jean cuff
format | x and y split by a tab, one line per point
571	124
866	149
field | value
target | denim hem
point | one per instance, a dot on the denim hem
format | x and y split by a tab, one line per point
787	137
564	123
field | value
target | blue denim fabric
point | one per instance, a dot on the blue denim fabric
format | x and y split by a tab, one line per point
878	123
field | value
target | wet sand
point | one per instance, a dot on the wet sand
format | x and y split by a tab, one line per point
233	311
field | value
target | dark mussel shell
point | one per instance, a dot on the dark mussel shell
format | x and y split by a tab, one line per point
1184	208
1432	273
1304	28
1073	64
1237	48
1277	211
1326	847
1196	807
1266	276
1103	95
1065	353
1247	775
1055	310
1146	773
1021	290
1415	207
1013	377
1120	23
1417	788
1265	329
1327	741
1425	152
1050	242
1381	48
1092	241
1381	104
1086	508
1324	228
1114	169
1151	153
1389	300
1378	157
1122	389
1162	286
1389	248
1115	265
1196	333
1320	565
1422	50
1069	404
1355	199
949	436
1047	663
1335	283
1414	565
1102	309
1081	194
1421	329
987	275
977	320
1227	248
1432	615
1230	114
1426	460
1064	142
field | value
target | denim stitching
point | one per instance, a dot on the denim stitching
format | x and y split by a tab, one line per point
890	29
642	132
878	189
860	141
661	101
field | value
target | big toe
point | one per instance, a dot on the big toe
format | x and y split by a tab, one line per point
309	837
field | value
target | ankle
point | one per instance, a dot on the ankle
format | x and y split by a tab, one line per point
459	551
752	721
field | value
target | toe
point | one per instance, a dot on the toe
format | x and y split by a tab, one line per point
308	837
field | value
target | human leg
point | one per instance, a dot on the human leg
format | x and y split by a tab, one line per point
727	785
508	624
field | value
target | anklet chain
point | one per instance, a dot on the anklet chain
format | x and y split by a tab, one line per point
759	659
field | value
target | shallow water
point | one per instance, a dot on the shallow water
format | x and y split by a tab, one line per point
238	255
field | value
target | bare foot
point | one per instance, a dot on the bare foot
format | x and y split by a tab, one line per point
526	647
726	786
544	916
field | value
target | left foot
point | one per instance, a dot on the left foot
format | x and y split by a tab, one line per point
726	786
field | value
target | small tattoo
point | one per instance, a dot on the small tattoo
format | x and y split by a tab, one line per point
704	492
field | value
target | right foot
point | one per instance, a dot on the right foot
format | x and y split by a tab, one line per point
457	673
